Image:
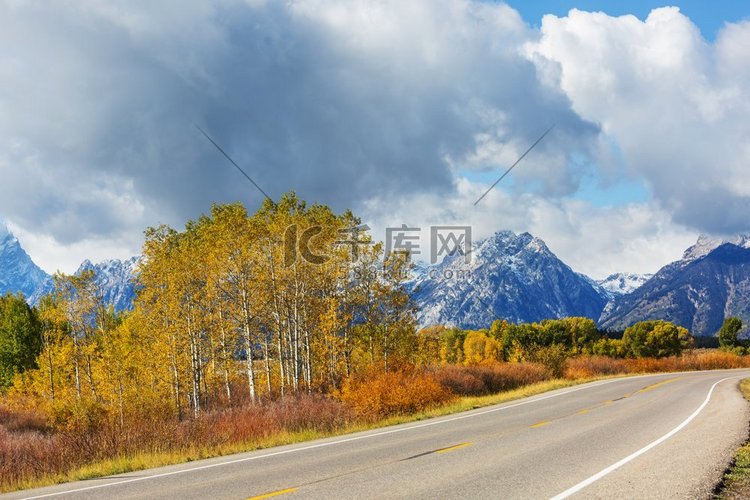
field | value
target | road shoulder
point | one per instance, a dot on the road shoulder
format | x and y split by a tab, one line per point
736	481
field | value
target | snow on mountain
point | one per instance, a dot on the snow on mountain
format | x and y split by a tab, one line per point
18	273
509	276
707	244
114	281
622	283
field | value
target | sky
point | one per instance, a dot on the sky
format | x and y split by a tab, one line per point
404	112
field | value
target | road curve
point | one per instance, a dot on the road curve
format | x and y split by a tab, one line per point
654	436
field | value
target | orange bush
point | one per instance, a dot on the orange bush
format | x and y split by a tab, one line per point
383	394
592	366
713	360
700	360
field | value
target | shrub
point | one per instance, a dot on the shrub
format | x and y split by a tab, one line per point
309	412
27	454
553	357
22	420
489	378
713	360
461	380
590	366
382	394
28	449
593	366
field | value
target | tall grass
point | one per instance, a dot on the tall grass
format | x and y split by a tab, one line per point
478	380
30	450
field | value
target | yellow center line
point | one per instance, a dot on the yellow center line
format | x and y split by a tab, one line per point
659	384
540	424
452	448
274	494
584	411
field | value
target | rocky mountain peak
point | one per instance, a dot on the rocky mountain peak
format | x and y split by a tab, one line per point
18	273
707	244
511	276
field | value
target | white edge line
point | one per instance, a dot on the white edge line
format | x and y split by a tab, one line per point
331	443
587	482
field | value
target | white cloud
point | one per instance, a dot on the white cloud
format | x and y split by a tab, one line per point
374	105
53	256
676	105
637	237
339	102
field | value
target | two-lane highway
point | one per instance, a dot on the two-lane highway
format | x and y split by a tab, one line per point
655	436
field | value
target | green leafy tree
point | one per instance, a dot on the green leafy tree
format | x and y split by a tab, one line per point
655	339
20	338
729	333
613	348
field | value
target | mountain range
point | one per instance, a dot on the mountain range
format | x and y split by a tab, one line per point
508	276
19	273
709	283
517	277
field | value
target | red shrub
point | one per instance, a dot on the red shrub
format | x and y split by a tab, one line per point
22	420
308	411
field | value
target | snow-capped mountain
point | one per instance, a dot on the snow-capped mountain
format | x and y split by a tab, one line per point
114	281
509	276
622	283
707	244
710	282
18	273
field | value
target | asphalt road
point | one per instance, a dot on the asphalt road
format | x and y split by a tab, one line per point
660	436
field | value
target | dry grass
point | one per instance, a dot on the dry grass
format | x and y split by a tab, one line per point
478	380
28	451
